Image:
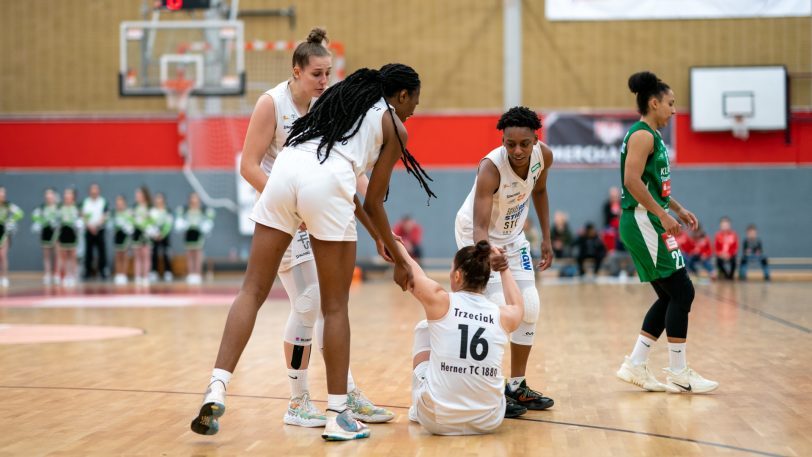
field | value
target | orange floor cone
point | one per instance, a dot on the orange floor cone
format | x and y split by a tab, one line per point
357	275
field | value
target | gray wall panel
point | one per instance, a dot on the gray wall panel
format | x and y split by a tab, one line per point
775	199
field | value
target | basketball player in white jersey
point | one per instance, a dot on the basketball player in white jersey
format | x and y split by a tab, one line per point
495	211
268	130
354	127
457	383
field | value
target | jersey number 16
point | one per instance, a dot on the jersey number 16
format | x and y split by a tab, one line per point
477	342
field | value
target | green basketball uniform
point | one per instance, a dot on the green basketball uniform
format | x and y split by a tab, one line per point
655	253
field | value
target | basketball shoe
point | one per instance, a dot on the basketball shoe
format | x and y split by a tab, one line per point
640	376
689	381
214	406
365	411
513	409
302	412
529	398
342	427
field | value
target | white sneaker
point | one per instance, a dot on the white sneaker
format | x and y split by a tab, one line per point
47	280
120	280
640	376
342	427
69	282
366	411
153	276
413	414
168	276
690	381
214	406
302	412
4	282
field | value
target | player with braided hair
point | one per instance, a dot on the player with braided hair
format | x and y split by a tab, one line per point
495	211
269	128
354	127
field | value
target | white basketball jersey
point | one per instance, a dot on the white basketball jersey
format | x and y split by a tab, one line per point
286	113
510	202
363	149
465	369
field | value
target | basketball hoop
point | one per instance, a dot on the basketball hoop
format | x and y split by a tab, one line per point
177	93
740	129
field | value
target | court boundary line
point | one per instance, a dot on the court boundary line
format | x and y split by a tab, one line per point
526	419
756	311
655	435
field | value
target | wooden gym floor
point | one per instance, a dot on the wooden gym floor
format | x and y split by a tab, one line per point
135	393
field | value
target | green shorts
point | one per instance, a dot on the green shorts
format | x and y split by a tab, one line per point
655	256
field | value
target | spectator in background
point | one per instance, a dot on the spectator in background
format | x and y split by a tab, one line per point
142	227
123	227
162	221
589	246
700	253
9	215
411	235
619	262
95	213
727	245
46	223
195	222
611	209
753	250
561	236
533	237
70	227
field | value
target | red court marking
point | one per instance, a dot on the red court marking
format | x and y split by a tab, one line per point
26	334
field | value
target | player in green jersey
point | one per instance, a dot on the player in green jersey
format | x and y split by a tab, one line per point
647	229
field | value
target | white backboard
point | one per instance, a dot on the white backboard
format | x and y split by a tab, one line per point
718	94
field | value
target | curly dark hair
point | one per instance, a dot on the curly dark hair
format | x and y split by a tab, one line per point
519	116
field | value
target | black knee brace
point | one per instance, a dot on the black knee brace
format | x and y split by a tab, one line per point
681	290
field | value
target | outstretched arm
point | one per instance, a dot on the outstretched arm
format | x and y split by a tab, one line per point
512	311
376	192
430	294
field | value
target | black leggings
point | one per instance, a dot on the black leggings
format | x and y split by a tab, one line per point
160	248
675	294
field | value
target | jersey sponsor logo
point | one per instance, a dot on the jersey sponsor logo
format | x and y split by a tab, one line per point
535	167
670	242
525	259
666	189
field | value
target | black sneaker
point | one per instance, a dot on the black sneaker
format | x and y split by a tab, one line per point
529	398
513	409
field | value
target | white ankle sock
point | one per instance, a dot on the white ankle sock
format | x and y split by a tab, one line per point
337	403
350	381
514	383
641	349
298	382
676	355
220	375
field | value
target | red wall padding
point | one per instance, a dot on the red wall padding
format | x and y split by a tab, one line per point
436	140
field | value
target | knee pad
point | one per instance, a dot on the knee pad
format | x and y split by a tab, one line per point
299	329
524	334
532	304
306	305
422	340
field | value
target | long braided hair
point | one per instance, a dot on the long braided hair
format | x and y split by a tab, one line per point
339	112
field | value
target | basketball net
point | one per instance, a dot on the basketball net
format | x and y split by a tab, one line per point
177	93
740	130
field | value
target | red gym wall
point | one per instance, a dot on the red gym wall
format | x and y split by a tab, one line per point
437	141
